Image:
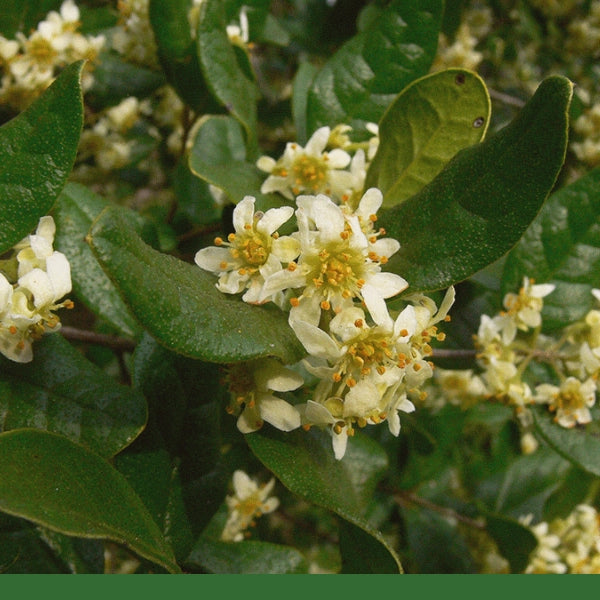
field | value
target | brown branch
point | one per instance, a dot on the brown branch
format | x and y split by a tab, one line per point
403	498
100	339
452	353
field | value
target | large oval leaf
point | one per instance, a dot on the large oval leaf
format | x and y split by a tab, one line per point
75	210
580	445
562	246
50	480
37	152
62	392
428	123
478	207
305	464
179	304
361	79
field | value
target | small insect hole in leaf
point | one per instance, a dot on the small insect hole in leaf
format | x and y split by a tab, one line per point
478	122
460	79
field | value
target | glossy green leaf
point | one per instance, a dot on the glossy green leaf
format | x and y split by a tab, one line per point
515	541
436	546
24	15
177	50
363	553
300	87
37	152
62	392
54	482
580	445
248	557
362	78
305	464
428	123
28	548
179	305
76	209
218	155
482	202
562	246
525	485
224	76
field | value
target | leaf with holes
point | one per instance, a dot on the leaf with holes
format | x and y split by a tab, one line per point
428	123
482	202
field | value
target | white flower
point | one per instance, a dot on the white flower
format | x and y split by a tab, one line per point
252	254
523	310
248	502
571	401
27	305
252	385
337	262
309	170
361	371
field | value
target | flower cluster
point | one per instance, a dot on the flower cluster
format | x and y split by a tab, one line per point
33	279
248	502
327	274
509	343
30	64
567	545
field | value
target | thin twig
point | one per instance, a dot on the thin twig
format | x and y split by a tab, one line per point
403	498
452	353
100	339
506	99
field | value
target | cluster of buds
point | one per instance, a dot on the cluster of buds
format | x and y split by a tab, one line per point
567	545
30	64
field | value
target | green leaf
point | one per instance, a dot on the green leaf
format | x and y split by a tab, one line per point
62	392
76	209
179	304
435	545
580	445
525	485
226	79
24	15
37	152
27	548
515	541
177	50
479	206
218	155
361	79
54	482
363	553
300	87
248	557
428	123
305	464
562	246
